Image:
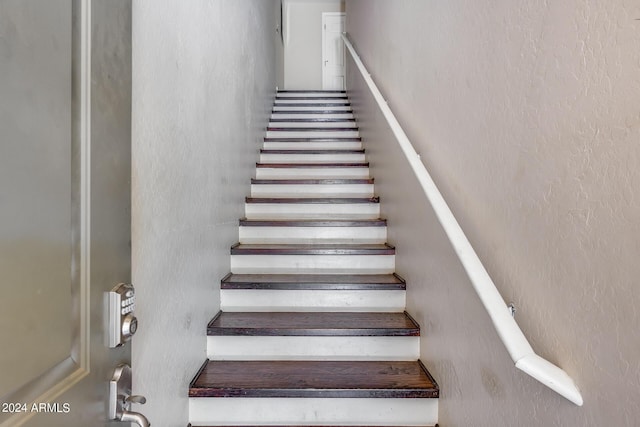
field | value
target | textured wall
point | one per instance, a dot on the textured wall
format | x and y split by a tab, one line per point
203	81
528	117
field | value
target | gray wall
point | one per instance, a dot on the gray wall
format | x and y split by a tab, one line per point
203	81
528	118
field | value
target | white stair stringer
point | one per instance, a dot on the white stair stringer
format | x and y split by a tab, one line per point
292	205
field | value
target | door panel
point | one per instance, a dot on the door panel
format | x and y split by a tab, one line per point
35	150
65	117
333	54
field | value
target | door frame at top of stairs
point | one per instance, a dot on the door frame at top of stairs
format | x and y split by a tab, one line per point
325	81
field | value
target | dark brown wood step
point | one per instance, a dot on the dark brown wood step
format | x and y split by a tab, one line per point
340	139
313	324
314	379
313	223
313	200
327	129
309	91
328	181
312	165
324	249
336	282
315	120
267	151
311	112
313	104
312	98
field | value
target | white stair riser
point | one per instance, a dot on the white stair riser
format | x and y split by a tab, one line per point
312	124
311	101
311	145
312	348
323	108
312	134
268	300
311	235
311	94
337	115
311	173
312	211
312	264
205	411
312	158
312	190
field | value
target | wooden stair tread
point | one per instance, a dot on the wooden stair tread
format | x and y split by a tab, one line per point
267	151
325	181
313	200
313	222
311	112
324	379
310	91
312	98
314	120
305	249
327	129
313	139
312	324
313	281
312	165
313	104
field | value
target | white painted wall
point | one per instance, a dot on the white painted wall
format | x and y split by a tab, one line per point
303	41
528	118
203	82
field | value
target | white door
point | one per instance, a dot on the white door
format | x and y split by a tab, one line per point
333	54
65	126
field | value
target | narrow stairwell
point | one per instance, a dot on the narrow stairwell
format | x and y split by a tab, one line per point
312	328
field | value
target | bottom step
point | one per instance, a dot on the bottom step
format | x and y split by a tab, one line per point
371	393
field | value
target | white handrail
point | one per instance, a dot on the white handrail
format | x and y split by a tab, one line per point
512	337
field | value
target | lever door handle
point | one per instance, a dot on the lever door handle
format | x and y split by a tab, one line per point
120	398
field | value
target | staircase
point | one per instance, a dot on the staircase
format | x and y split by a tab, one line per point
312	329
